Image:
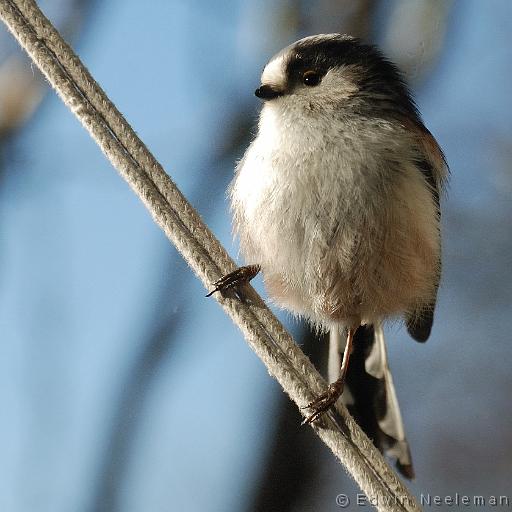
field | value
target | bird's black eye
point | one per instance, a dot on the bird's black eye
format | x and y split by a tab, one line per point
311	78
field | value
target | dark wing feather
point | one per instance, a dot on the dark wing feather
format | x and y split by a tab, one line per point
420	323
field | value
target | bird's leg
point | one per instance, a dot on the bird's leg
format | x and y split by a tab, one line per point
241	275
335	390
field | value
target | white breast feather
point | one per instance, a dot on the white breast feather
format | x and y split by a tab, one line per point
299	199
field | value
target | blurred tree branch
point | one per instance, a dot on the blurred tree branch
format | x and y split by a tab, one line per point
22	87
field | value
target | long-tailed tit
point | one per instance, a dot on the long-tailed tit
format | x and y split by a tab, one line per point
337	202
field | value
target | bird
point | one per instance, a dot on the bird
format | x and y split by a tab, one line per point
336	202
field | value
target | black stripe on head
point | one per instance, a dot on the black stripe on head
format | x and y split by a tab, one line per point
378	78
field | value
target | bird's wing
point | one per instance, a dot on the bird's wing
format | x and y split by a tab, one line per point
419	323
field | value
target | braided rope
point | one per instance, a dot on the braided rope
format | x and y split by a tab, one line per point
198	246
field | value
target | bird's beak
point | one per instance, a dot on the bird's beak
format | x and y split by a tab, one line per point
268	92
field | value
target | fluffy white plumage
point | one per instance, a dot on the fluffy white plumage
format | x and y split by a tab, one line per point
337	237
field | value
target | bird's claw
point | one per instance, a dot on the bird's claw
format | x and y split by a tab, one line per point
324	402
241	275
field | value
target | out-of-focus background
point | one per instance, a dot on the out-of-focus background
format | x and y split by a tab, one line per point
121	387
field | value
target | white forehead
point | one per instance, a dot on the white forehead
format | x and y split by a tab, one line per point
275	71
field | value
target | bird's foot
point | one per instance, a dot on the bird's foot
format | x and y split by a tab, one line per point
240	276
324	401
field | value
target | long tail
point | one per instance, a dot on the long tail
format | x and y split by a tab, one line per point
370	393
